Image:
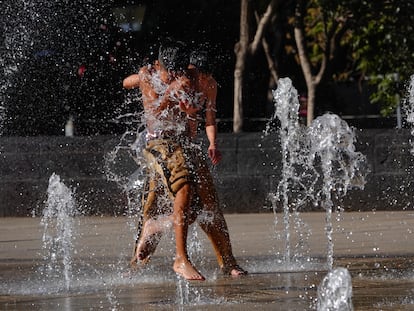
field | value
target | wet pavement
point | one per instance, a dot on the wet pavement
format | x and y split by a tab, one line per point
376	247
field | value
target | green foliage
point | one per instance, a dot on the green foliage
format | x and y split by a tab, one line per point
386	94
376	37
324	19
382	44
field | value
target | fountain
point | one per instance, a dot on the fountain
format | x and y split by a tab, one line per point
335	291
84	259
58	234
316	162
341	167
286	108
319	161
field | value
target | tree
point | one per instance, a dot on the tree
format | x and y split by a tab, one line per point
334	40
382	44
319	27
247	46
374	34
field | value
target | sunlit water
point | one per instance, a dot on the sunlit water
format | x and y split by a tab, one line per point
17	34
291	133
18	39
319	164
335	291
58	234
336	165
409	109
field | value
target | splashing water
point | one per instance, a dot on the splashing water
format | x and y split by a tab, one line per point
18	37
316	162
58	231
335	291
17	42
129	147
132	142
409	109
186	294
341	167
44	43
290	132
2	117
170	121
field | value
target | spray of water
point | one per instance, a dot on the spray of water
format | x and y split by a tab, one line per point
17	42
129	147
2	117
147	125
291	133
336	164
134	185
59	231
409	108
319	163
335	291
186	294
172	122
133	142
43	43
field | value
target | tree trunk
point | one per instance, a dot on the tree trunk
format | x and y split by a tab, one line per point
241	56
307	73
310	112
311	81
238	94
245	48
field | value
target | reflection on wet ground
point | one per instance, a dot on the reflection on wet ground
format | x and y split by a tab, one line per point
378	284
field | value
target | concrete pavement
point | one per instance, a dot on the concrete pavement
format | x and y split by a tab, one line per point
376	247
355	234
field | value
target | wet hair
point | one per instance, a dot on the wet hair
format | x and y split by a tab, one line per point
173	55
200	58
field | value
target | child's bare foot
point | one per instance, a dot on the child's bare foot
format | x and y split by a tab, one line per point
187	271
136	263
151	236
234	271
237	271
147	246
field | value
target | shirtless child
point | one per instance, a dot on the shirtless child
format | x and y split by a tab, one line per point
171	113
